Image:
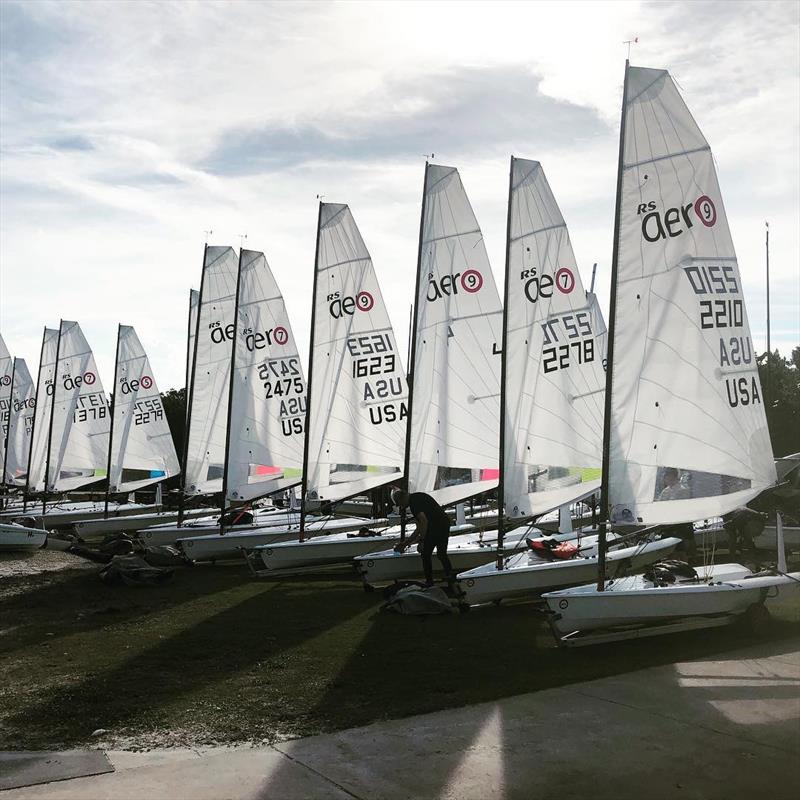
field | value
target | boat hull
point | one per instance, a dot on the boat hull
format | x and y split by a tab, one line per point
634	601
89	528
17	539
220	546
524	574
465	552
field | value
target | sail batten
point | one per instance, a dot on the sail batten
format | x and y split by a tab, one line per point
688	432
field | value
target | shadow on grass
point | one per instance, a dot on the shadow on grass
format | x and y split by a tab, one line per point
72	601
213	665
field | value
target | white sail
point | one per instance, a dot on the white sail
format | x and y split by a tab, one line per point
81	420
555	352
358	393
6	377
210	384
689	436
455	423
43	407
20	422
142	450
268	398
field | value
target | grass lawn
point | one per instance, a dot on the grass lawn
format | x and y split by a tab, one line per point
213	656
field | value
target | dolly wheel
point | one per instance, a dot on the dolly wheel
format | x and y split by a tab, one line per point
756	619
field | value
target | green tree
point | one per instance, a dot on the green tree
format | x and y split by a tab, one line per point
174	402
780	382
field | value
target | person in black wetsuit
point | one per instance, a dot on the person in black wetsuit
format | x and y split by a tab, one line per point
432	531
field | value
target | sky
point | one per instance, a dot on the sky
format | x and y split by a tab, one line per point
130	129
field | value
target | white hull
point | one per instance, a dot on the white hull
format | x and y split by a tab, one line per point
465	552
216	546
16	539
526	573
338	548
209	525
635	601
69	514
120	523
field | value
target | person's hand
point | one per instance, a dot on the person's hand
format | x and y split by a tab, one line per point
399	548
419	547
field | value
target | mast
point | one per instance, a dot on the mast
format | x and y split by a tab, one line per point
769	352
8	424
190	387
612	320
304	484
111	429
501	484
413	354
52	415
188	354
224	499
33	422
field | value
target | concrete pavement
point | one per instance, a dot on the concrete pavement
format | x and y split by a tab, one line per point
727	727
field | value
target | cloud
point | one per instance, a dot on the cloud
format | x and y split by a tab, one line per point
127	130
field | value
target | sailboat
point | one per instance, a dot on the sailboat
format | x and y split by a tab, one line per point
141	451
18	424
70	433
686	435
552	402
357	397
452	448
15	389
264	454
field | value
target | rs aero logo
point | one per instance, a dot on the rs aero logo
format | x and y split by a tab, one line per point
677	220
470	281
537	286
76	381
126	386
339	306
5	380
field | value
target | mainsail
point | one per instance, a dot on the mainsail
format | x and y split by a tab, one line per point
142	451
268	392
688	432
43	408
555	352
20	423
358	395
455	411
209	387
6	378
78	445
194	304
